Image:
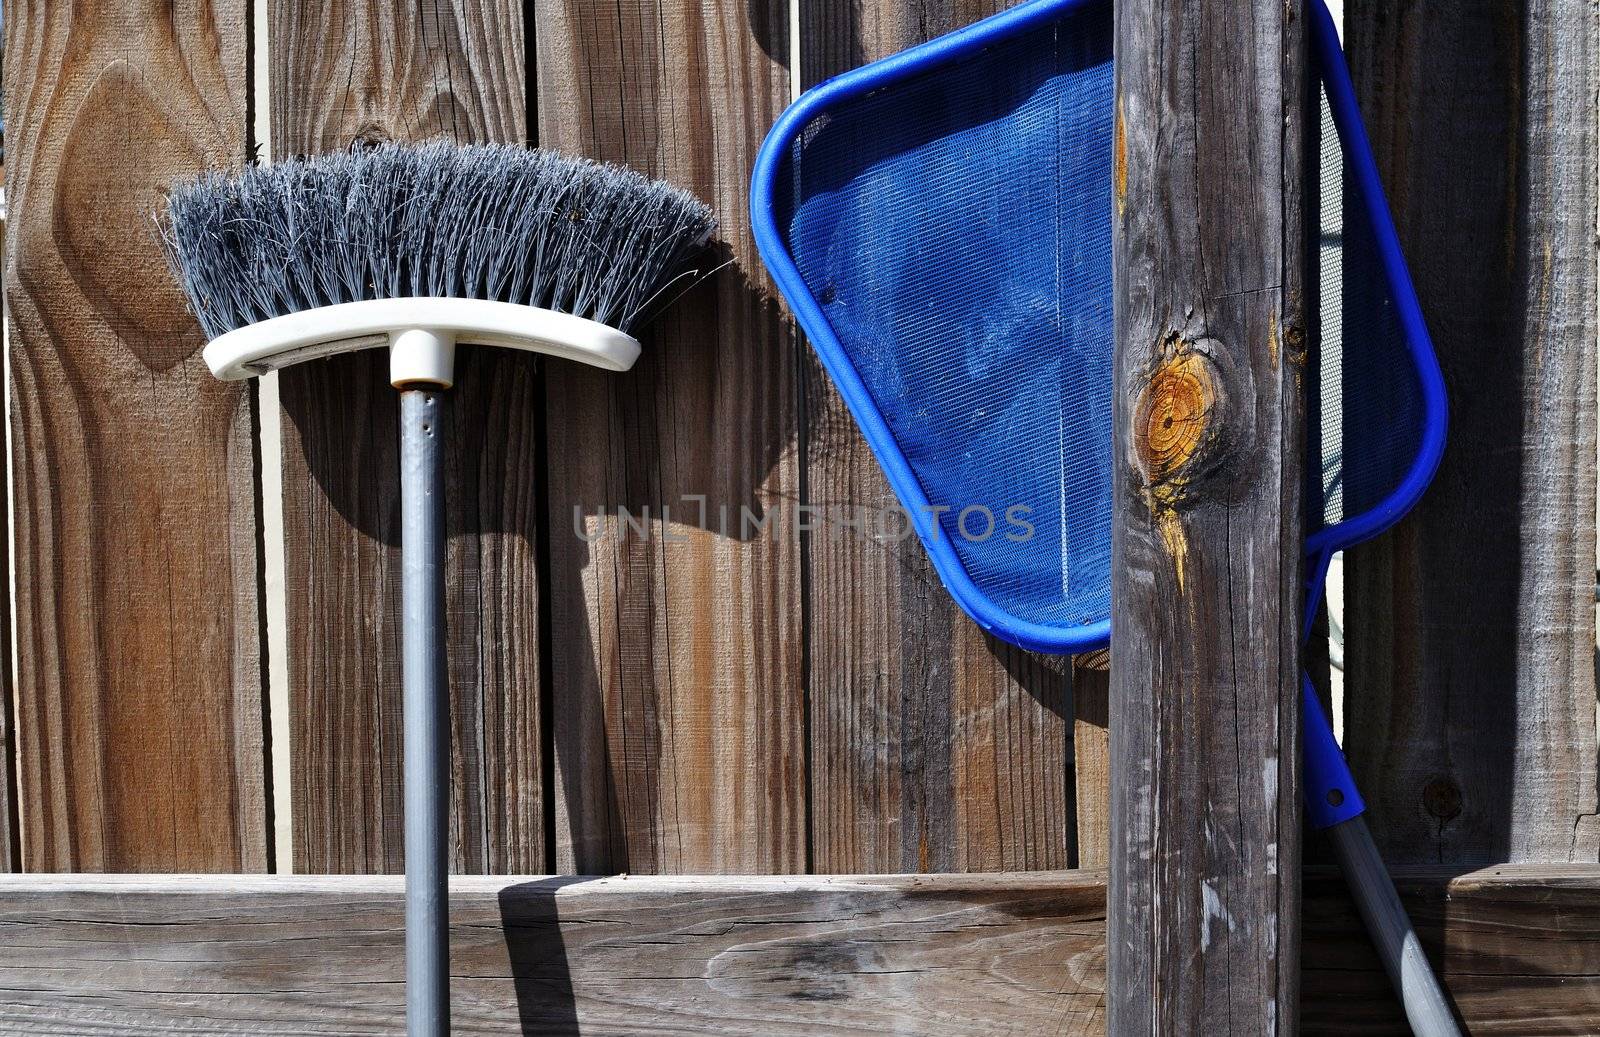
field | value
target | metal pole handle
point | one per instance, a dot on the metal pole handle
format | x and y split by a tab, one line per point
427	730
1334	805
1390	928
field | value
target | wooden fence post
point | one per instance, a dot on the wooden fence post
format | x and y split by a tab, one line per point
1203	906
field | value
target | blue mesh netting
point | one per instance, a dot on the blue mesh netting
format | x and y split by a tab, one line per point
955	229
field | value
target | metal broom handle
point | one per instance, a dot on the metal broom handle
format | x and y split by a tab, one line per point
1334	805
1427	1010
427	730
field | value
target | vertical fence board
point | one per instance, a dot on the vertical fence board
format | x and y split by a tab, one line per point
351	71
139	694
1091	757
934	747
1203	907
836	36
1470	663
678	706
10	842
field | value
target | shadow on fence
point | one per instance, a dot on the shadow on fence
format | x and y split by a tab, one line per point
539	968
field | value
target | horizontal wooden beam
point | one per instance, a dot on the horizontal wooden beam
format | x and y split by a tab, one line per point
1517	948
948	954
151	955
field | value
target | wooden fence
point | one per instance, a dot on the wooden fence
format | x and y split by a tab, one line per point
205	617
707	695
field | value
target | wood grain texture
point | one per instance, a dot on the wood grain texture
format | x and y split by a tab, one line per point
769	956
368	71
1470	632
836	36
139	693
934	747
1206	567
1091	757
677	629
10	837
1518	949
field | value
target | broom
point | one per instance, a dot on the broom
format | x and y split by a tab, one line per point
422	247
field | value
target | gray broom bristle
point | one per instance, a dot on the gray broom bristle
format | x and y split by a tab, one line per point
480	221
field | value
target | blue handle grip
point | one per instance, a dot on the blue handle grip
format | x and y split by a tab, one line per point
1330	791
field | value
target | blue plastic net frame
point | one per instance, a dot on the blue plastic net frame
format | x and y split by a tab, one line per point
949	51
1329	64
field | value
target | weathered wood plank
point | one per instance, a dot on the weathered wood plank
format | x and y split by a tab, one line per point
934	747
10	843
1470	654
1091	757
373	70
139	692
774	956
836	37
1206	555
1517	951
678	699
1010	953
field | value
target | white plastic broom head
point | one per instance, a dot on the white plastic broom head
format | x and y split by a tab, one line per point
421	335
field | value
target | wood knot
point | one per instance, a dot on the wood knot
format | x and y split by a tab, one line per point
1441	797
1294	344
371	135
1174	421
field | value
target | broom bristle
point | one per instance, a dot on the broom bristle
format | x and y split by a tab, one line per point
482	221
